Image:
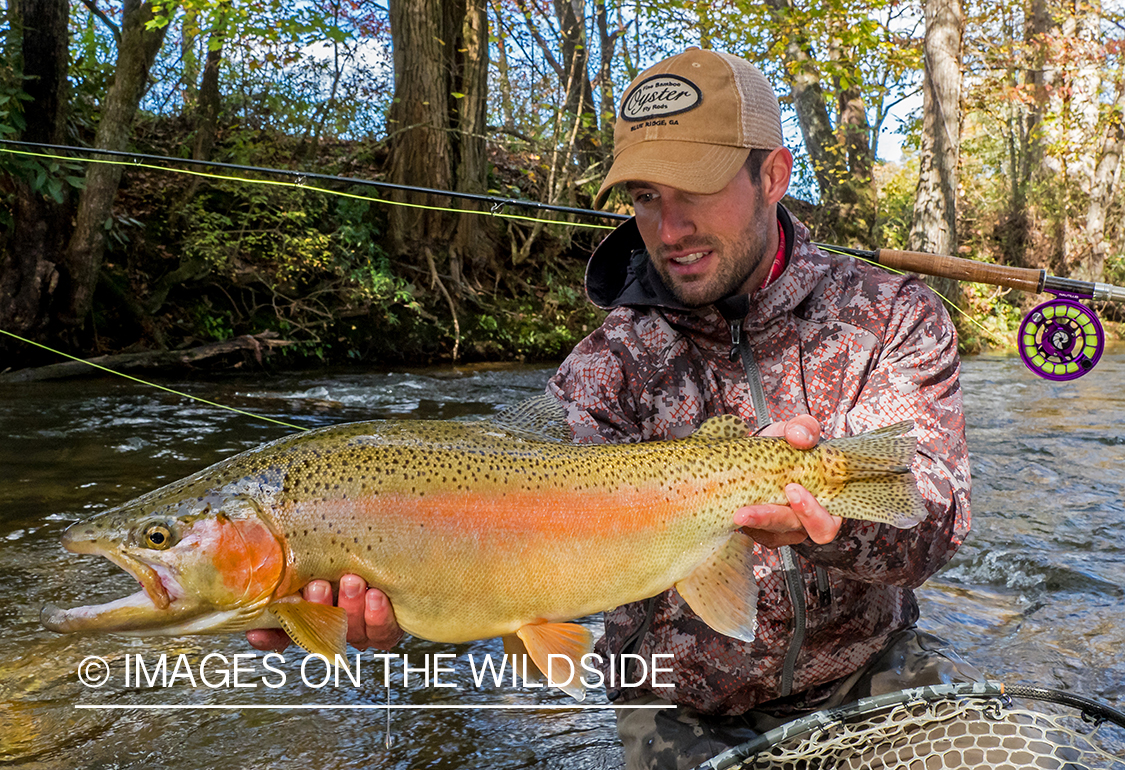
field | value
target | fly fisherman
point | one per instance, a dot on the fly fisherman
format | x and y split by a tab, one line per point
721	305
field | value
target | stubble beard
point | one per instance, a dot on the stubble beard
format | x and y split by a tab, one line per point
737	261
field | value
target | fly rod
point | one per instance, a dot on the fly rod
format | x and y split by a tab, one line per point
1061	339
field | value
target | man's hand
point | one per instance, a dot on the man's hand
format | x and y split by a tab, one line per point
371	619
777	525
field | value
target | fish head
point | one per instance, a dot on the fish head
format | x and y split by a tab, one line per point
206	564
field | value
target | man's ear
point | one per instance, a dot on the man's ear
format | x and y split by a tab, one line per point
777	168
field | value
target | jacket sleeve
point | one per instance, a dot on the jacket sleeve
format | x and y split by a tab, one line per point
591	386
915	377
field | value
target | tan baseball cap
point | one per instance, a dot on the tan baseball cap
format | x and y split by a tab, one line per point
690	122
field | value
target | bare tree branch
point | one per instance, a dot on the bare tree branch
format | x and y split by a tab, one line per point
104	19
531	27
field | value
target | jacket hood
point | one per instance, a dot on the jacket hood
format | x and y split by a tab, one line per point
620	274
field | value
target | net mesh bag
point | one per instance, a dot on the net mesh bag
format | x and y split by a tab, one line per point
944	728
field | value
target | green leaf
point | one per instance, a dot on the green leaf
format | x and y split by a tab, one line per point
55	190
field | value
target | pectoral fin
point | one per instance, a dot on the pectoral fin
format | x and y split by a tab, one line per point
320	629
722	590
557	648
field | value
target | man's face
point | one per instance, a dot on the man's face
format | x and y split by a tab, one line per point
707	246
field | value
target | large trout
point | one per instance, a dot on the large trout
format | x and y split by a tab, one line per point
472	529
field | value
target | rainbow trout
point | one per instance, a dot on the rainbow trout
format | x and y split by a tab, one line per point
472	529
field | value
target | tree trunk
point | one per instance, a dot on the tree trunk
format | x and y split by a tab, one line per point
421	152
841	161
607	43
856	197
210	100
1027	150
507	113
1105	186
135	56
1080	144
809	103
472	240
29	267
934	229
437	140
581	119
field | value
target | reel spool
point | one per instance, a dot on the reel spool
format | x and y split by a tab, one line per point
1061	340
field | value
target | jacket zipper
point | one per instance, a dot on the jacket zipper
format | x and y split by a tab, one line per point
794	582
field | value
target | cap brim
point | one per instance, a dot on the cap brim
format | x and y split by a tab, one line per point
689	166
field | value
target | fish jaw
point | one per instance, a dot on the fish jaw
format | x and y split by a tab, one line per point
153	587
131	613
143	610
214	569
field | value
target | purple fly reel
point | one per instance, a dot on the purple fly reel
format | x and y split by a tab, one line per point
1061	339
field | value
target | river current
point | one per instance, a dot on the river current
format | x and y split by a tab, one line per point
1035	596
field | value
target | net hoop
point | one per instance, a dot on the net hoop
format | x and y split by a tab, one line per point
966	717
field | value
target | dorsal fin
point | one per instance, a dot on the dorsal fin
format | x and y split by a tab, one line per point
722	428
541	417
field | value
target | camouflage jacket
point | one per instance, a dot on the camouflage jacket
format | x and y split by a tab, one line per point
846	342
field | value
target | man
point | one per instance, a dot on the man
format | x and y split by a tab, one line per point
720	304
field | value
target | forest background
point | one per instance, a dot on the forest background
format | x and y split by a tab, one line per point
1010	154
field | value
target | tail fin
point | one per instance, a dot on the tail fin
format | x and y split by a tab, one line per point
874	470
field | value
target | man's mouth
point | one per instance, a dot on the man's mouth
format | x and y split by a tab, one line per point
689	259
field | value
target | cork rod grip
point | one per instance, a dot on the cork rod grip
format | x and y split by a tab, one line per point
1021	278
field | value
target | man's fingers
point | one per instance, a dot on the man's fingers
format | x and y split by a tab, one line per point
803	431
318	591
775	518
382	628
268	639
777	525
817	523
352	589
371	620
770	525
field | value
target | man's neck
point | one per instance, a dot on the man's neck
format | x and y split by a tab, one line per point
763	273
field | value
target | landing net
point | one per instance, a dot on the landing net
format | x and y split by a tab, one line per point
945	727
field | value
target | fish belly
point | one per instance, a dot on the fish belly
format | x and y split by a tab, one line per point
457	568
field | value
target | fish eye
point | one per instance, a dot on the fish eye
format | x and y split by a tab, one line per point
158	536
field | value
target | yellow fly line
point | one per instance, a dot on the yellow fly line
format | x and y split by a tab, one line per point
493	212
298	184
150	384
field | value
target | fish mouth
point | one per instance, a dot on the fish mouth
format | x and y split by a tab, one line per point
144	609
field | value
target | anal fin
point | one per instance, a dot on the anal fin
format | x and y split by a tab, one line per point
722	590
552	646
520	658
320	629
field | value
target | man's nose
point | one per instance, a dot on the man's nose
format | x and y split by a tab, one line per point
676	221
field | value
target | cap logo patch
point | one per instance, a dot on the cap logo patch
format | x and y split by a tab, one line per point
660	96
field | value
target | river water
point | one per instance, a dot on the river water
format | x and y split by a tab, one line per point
1034	597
